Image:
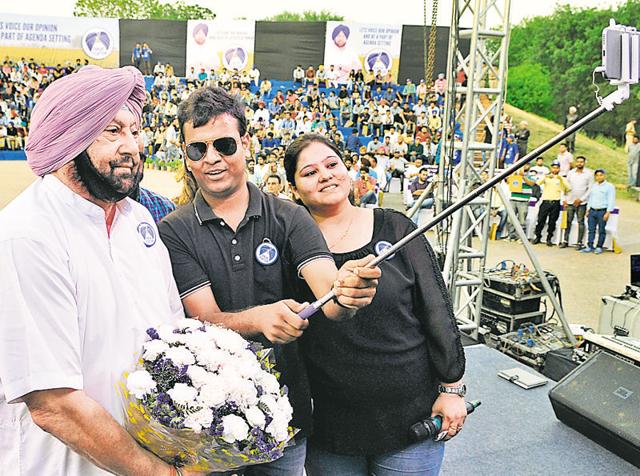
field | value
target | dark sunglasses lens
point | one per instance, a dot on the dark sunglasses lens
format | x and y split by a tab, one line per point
196	150
225	145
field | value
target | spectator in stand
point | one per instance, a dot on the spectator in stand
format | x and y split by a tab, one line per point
570	120
413	168
602	201
440	84
633	158
409	91
414	146
421	90
146	52
522	138
553	186
397	165
565	158
298	75
353	141
274	186
580	180
364	188
309	76
265	88
269	143
416	187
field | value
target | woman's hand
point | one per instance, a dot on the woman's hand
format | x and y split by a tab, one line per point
451	408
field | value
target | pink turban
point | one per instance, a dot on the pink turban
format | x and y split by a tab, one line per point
75	109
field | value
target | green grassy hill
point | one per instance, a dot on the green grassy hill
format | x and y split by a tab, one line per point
612	159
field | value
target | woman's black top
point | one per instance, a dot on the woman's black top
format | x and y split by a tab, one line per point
375	375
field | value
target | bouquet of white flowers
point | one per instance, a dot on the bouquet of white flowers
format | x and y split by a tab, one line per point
205	398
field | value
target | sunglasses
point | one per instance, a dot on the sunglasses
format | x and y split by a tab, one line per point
224	145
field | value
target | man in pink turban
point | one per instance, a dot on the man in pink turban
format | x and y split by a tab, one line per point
82	276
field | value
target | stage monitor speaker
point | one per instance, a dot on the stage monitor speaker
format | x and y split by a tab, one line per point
601	400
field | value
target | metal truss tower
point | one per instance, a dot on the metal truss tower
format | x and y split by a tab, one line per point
469	108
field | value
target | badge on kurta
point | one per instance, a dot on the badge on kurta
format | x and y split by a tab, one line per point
382	246
266	253
147	233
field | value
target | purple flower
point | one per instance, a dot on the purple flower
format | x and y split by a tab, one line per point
151	332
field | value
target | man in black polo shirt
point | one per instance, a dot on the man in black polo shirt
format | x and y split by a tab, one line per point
238	253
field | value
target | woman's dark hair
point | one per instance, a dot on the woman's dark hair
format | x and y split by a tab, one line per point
292	153
206	103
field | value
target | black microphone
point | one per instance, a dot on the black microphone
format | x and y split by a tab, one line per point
430	427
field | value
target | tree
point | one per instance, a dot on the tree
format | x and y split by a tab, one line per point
141	10
566	45
307	15
529	88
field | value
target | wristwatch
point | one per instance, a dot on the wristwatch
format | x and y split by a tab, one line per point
460	390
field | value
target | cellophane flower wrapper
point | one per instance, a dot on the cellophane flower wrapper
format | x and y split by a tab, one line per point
204	398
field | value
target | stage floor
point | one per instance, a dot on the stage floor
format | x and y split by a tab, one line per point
515	432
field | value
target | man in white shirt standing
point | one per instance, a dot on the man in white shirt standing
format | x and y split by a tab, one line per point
575	202
565	158
83	274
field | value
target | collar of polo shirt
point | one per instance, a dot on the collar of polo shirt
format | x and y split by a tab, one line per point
205	214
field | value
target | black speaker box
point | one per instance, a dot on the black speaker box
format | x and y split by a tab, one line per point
601	400
558	363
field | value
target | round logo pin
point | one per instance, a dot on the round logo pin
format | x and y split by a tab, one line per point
382	246
266	253
147	233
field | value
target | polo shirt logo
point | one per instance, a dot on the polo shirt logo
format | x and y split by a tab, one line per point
147	233
266	253
382	246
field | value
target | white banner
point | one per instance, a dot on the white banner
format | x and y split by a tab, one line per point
56	40
217	44
372	48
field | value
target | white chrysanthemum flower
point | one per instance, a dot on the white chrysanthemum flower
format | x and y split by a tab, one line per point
244	393
231	341
198	375
246	368
165	331
189	324
199	419
198	342
183	394
153	349
268	382
213	359
255	417
270	403
140	383
234	428
285	409
278	429
180	356
211	395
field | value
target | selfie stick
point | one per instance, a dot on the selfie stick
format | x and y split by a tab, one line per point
607	104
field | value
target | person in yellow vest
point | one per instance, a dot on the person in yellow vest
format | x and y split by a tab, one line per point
554	185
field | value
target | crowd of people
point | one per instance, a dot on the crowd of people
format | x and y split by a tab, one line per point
387	131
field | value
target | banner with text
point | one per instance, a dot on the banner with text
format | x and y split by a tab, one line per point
217	44
56	40
373	48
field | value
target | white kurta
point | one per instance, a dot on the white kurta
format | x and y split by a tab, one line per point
75	305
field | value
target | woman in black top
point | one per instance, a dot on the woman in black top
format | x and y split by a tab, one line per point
374	376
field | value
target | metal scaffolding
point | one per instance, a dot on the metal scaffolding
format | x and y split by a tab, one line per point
469	108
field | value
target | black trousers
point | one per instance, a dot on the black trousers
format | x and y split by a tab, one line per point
549	210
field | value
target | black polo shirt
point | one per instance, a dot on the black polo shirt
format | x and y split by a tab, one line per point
257	264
